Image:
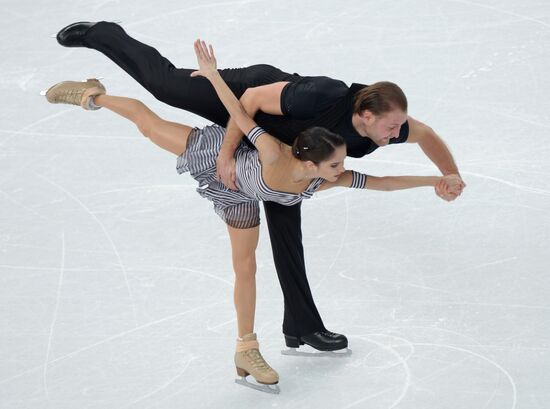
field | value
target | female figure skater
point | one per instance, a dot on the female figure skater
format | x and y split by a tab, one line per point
273	171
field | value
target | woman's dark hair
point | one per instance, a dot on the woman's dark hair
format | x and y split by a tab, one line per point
380	98
316	144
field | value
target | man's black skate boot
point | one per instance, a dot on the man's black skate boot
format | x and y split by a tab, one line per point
320	340
73	34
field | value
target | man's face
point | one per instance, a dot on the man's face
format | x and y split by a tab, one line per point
382	128
333	167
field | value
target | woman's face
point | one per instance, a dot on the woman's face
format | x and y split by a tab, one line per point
331	168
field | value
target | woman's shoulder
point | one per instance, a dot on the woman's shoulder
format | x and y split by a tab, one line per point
274	153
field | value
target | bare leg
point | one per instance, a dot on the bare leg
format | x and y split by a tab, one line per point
170	136
243	248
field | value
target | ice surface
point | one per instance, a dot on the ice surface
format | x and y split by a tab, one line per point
115	276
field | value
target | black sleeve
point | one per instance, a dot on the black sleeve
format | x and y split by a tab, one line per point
309	96
403	134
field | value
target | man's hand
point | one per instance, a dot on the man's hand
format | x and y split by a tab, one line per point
225	170
449	187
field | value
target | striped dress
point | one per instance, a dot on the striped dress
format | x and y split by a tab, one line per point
239	209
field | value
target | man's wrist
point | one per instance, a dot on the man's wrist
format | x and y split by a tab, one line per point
447	172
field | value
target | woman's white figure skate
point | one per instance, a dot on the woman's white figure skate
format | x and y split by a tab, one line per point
249	361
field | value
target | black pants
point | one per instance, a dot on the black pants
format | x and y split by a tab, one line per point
175	87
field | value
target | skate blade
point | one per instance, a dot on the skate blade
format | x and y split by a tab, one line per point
343	353
273	389
95	78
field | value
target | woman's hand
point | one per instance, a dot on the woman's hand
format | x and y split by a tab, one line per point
205	59
449	187
225	170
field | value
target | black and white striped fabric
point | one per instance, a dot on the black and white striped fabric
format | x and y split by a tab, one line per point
236	208
358	180
239	209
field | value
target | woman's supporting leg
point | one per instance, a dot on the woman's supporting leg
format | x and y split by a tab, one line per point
248	359
243	249
170	136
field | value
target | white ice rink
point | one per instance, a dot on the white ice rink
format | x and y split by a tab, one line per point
115	276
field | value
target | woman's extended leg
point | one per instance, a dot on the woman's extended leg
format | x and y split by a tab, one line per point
170	136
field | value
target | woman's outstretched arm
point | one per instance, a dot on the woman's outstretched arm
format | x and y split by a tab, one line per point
389	183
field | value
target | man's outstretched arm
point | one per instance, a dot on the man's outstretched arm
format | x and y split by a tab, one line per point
437	151
265	98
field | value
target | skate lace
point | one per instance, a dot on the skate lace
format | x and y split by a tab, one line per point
70	96
257	360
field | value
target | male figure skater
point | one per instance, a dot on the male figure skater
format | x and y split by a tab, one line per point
285	104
